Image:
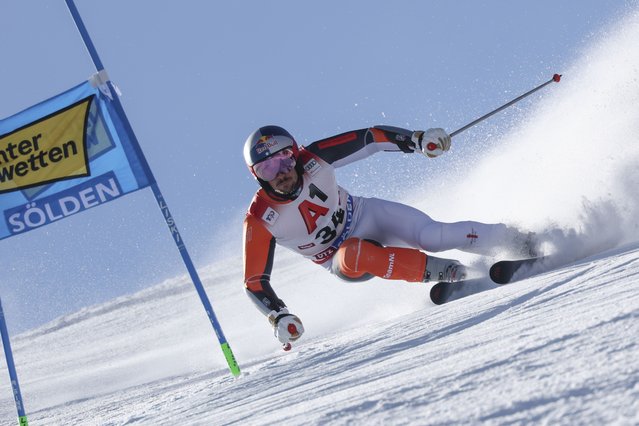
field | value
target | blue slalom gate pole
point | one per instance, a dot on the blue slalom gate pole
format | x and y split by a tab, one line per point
13	375
186	258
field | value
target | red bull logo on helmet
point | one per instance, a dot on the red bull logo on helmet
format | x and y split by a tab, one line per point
265	143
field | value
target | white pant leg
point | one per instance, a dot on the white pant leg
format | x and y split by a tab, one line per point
395	224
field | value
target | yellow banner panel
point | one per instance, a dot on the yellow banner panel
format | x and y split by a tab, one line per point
48	150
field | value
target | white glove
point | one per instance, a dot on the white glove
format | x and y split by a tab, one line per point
432	142
286	327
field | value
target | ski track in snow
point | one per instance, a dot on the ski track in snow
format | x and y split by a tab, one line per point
556	348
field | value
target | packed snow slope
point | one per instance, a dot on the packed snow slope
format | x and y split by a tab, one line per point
560	347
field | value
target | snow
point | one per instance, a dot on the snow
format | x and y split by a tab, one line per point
556	348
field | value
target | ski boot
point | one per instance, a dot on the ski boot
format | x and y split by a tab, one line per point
443	270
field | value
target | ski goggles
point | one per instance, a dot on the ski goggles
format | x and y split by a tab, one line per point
280	162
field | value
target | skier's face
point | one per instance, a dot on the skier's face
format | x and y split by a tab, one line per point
285	182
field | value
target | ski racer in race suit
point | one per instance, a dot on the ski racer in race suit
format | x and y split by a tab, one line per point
300	206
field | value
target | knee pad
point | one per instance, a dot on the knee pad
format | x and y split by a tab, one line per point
346	262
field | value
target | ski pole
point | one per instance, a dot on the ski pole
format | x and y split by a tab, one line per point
555	78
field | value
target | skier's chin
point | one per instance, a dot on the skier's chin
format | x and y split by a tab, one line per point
285	184
285	187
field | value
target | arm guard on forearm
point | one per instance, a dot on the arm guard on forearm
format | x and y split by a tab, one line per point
352	146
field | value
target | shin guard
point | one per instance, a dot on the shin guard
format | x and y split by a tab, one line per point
357	259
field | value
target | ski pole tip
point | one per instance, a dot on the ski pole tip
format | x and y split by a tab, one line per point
556	78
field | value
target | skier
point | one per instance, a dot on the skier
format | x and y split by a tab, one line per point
300	206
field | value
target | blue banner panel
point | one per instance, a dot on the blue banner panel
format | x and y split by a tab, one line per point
63	156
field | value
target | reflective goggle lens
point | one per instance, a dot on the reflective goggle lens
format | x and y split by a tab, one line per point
281	162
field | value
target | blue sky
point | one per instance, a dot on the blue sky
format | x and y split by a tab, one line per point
197	77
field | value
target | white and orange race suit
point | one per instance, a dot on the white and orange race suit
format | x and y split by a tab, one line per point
324	216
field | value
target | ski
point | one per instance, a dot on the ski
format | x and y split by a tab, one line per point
444	292
504	271
440	292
